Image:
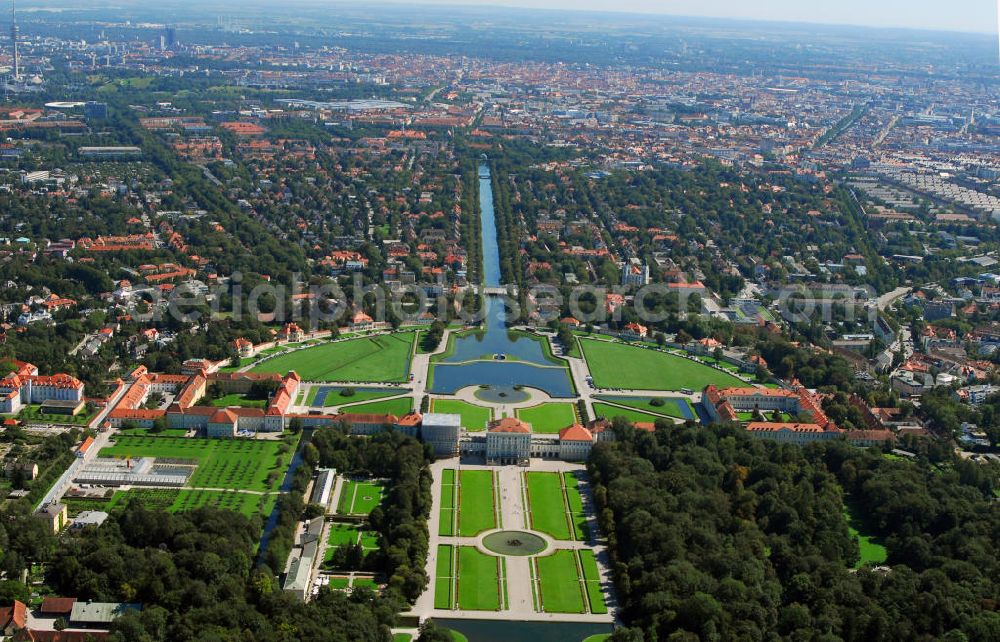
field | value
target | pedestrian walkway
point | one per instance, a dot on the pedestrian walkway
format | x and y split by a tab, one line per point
513	516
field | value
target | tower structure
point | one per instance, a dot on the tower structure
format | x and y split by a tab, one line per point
13	38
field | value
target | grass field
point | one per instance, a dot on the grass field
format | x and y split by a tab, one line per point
398	407
547	505
384	358
359	497
610	412
239	464
32	413
559	583
333	396
473	417
245	503
575	502
592	579
478	580
616	365
238	400
177	500
672	406
548	417
341	534
872	550
444	578
476	512
449	497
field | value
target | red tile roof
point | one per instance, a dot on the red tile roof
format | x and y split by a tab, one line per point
576	432
58	605
509	424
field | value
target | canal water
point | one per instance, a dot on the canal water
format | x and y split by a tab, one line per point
530	368
500	631
472	362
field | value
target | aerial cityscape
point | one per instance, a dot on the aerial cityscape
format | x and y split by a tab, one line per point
427	323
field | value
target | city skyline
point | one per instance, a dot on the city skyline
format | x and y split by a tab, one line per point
971	16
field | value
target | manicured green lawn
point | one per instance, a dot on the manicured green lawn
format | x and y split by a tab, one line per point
359	497
239	464
32	412
402	637
768	416
560	583
600	637
475	502
478	580
610	412
444	579
547	506
595	596
671	405
548	417
238	400
575	502
383	358
873	552
341	534
398	407
616	365
340	583
449	495
473	417
336	396
364	582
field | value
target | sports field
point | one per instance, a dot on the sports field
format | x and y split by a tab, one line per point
359	497
384	358
610	412
476	505
559	583
671	406
547	505
478	580
473	417
398	407
548	417
617	365
449	499
239	464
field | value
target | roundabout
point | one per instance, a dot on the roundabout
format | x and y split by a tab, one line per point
517	543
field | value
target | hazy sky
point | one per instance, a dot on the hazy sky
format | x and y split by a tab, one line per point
946	15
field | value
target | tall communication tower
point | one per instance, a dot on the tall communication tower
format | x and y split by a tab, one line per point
13	39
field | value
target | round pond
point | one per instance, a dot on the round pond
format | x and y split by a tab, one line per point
514	543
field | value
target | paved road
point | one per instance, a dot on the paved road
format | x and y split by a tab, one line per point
889	298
